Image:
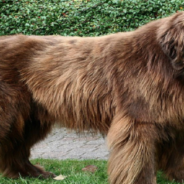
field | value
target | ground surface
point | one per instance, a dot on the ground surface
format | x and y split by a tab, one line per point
64	144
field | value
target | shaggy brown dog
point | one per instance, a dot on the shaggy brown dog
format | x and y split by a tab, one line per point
129	85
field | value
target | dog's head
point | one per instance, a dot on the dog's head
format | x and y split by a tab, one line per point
171	39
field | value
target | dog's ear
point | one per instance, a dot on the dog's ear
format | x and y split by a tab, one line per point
171	38
172	44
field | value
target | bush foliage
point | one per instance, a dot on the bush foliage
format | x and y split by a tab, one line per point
80	17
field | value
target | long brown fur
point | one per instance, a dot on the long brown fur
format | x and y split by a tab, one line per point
129	86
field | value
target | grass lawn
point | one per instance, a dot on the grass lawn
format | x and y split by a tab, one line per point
73	170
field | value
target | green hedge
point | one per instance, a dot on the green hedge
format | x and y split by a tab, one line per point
80	17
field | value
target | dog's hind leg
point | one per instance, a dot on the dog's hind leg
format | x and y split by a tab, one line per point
19	132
